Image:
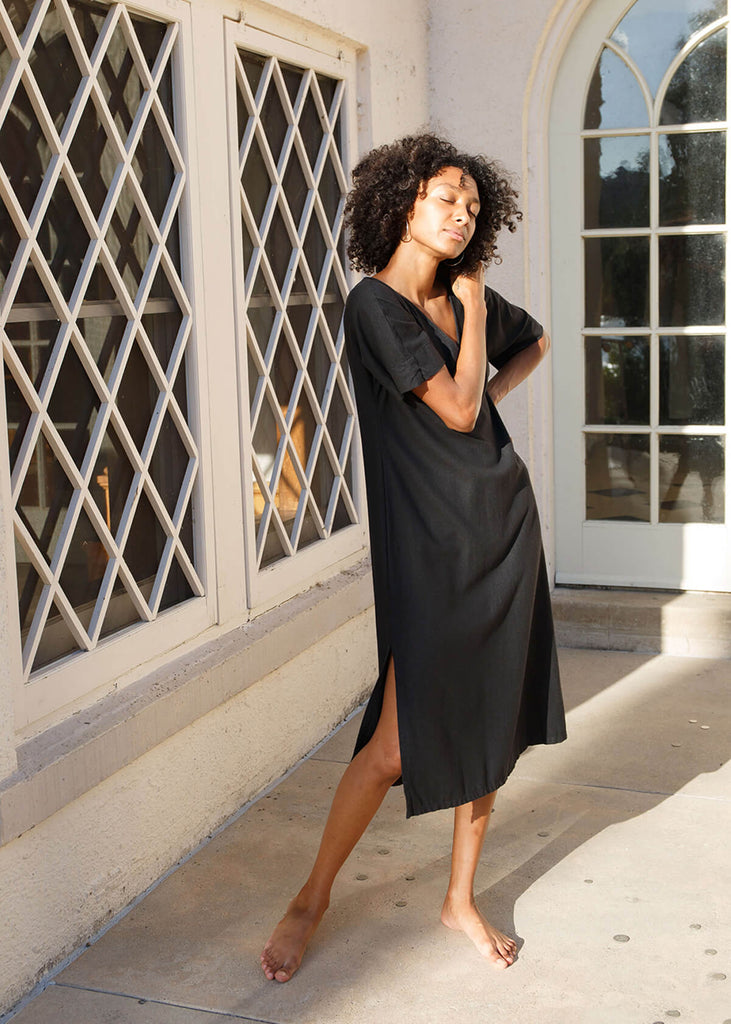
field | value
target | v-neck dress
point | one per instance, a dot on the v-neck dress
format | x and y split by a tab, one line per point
461	594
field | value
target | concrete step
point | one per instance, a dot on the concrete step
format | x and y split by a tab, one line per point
689	623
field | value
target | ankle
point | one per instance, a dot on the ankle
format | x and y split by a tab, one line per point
312	899
459	900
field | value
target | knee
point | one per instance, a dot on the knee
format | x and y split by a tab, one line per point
386	761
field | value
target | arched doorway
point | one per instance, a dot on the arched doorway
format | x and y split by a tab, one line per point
639	253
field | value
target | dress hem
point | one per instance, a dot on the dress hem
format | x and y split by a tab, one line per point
449	802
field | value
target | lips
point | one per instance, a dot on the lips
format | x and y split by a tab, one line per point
457	235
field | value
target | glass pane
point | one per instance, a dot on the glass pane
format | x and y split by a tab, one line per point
617	182
322	483
111	480
697	91
342	517
84	568
617	374
273	547
330	192
693	178
253	67
63	239
618	477
615	99
295	187
315	249
692	479
145	544
278	247
266	439
283	373
337	419
302	433
692	378
617	276
169	464
177	588
24	152
310	129
692	275
652	32
318	366
255	181
273	120
56	641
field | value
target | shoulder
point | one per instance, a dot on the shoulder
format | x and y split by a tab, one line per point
368	292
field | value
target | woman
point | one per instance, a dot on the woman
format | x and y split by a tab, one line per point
468	675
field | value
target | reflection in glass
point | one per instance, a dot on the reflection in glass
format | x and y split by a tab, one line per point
692	479
615	99
618	477
617	376
697	91
692	178
692	374
692	279
617	182
617	281
652	32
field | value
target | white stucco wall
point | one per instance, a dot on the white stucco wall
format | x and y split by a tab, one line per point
481	59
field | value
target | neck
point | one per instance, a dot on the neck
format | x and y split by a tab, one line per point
412	272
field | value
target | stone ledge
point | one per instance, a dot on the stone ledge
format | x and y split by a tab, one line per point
688	624
72	757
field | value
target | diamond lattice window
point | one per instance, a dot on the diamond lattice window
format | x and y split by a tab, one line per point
95	322
292	191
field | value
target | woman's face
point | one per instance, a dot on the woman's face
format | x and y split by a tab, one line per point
443	217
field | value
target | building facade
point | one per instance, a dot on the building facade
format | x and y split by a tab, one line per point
185	606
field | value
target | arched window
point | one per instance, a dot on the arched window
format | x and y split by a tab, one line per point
653	144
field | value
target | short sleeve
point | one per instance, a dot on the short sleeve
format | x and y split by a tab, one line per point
393	346
509	329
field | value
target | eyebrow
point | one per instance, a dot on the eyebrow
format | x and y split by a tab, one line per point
461	188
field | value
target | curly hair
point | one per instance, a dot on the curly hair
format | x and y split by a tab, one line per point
387	183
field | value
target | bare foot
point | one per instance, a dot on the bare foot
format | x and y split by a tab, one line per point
283	953
499	949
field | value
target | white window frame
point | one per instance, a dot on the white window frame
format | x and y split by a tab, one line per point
690	556
66	683
264	34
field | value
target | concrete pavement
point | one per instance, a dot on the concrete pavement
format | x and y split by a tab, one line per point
607	857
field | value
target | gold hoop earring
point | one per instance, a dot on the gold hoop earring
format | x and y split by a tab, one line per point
406	235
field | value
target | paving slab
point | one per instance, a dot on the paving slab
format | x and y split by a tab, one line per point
606	858
64	1005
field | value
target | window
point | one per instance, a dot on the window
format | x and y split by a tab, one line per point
639	166
655	257
291	194
95	323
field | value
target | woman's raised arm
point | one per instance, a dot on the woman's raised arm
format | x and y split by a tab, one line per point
457	400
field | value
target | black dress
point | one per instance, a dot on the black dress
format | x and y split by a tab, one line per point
461	593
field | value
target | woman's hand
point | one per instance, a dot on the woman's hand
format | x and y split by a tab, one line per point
457	400
470	288
517	369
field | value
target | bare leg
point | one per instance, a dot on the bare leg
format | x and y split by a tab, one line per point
362	788
459	910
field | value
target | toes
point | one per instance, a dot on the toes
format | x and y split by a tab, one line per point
282	975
